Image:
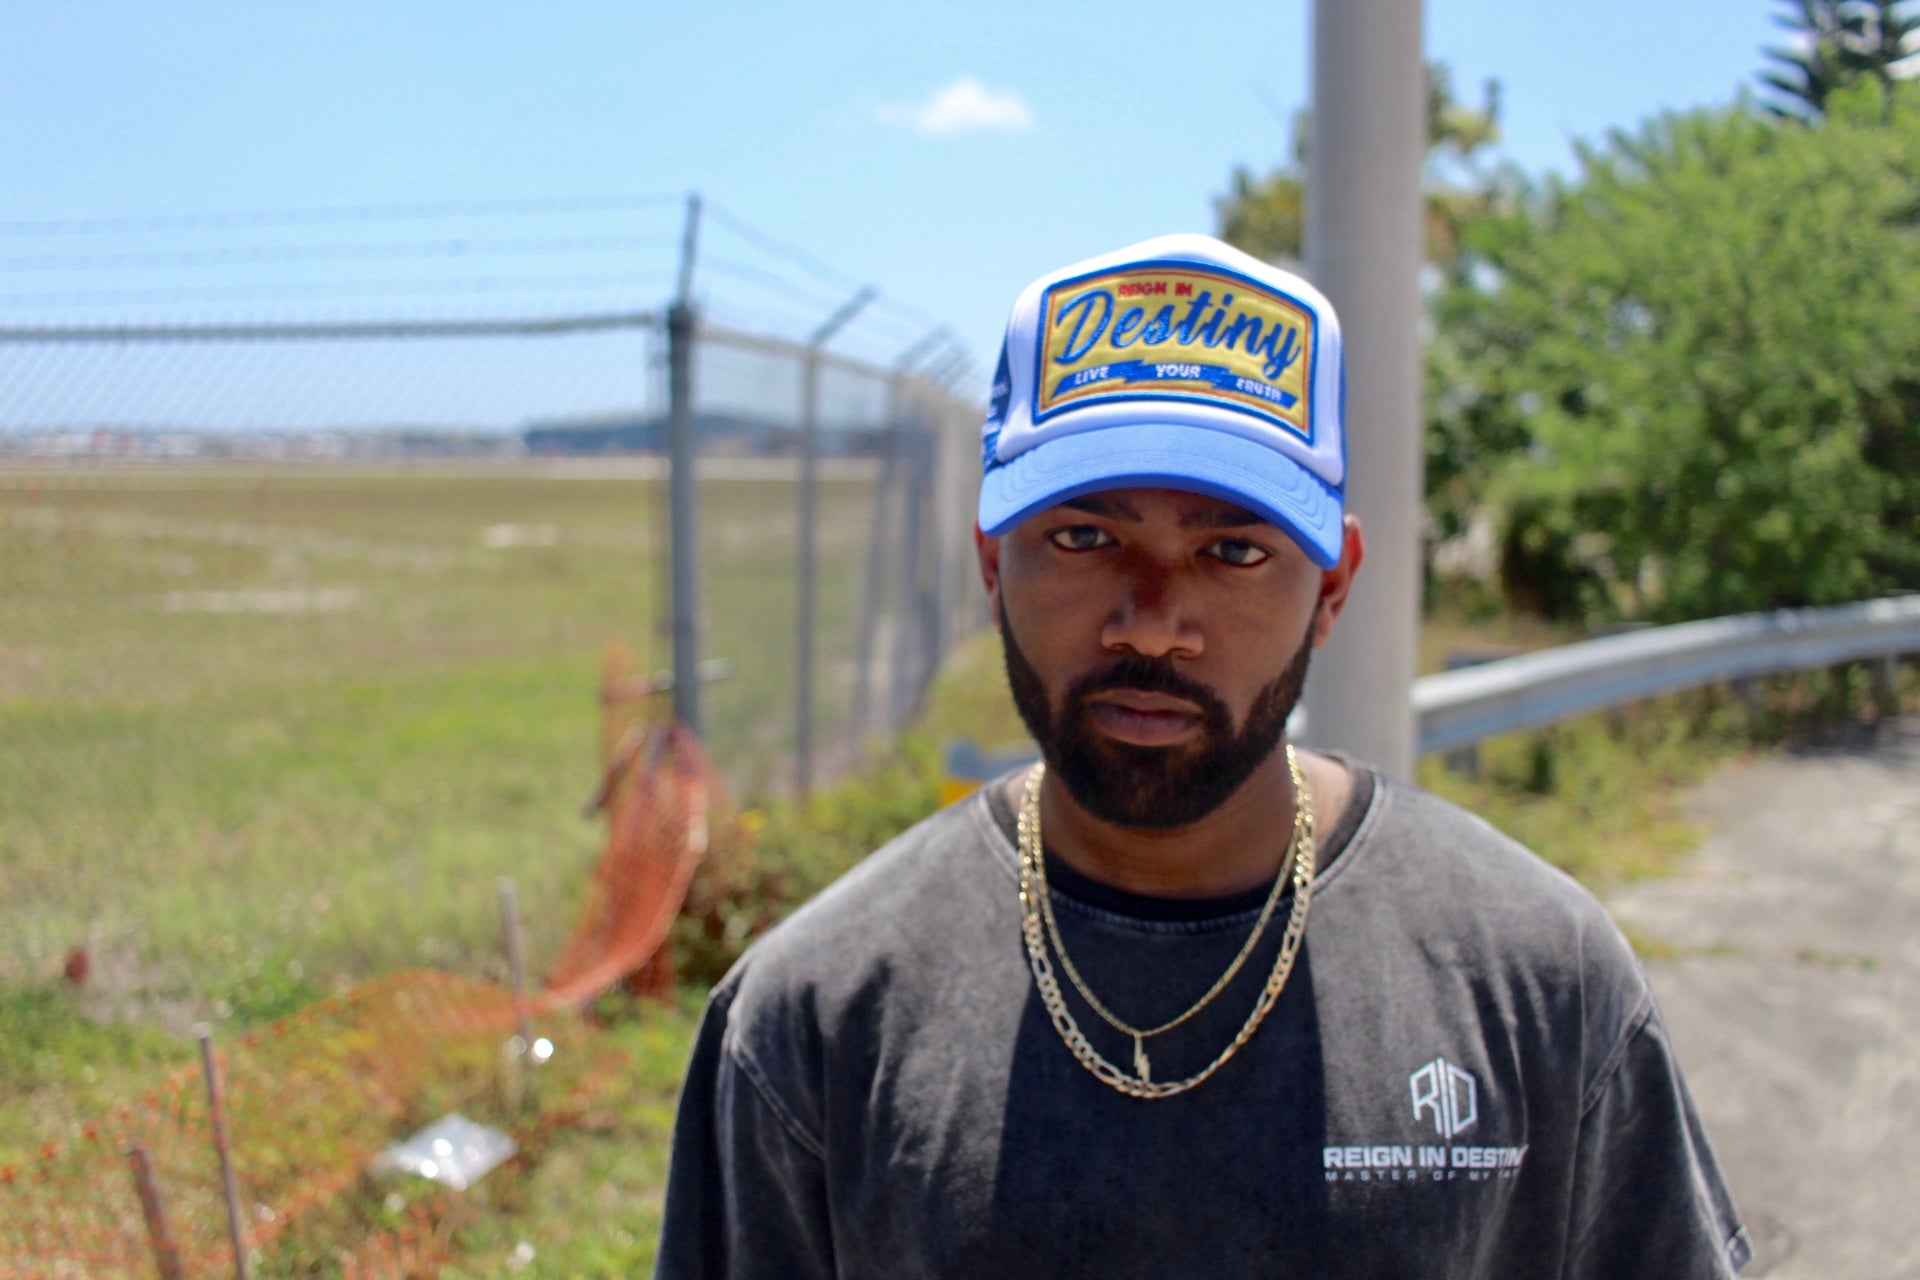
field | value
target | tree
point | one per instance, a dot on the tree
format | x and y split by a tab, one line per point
1695	370
1836	43
1267	215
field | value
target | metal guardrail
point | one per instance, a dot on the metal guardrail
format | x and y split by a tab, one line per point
1459	708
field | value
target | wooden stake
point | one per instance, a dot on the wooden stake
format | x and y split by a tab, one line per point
217	1109
166	1254
517	966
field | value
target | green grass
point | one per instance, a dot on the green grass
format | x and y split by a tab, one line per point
267	732
216	795
583	1197
1600	797
589	1203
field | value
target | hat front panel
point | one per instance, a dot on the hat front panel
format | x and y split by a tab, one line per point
1176	331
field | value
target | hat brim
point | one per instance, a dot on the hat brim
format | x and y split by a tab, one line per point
1153	456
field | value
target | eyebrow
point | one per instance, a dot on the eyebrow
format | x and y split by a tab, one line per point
1095	505
1224	516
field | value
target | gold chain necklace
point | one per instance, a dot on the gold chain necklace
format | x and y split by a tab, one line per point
1139	1035
1038	924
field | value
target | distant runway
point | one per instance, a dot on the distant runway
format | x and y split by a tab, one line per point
715	467
154	472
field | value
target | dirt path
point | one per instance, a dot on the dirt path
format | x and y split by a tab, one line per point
1795	1000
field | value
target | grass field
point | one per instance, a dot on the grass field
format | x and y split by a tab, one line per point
263	733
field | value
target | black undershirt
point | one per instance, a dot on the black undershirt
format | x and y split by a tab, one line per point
1140	906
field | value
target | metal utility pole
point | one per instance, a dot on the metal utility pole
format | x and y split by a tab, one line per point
683	493
809	533
1364	250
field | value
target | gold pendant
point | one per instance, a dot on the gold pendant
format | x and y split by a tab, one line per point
1140	1065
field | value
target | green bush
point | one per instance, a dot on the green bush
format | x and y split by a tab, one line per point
779	856
1690	372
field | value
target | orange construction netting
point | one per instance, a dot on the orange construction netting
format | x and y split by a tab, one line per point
659	792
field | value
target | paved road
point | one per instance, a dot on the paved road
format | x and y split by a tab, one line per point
1795	1000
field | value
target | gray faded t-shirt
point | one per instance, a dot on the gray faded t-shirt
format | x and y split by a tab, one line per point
1465	1077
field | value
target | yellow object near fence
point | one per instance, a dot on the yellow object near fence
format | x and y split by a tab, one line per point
966	768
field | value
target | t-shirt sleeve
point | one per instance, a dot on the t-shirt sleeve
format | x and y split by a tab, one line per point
746	1193
1648	1199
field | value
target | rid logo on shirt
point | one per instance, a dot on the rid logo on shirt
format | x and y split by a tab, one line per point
1448	1094
1447	1098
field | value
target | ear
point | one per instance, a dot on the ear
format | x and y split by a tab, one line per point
988	550
1336	582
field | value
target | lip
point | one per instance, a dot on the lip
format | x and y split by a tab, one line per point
1144	719
1142	701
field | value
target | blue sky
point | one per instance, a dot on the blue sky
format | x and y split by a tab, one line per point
946	152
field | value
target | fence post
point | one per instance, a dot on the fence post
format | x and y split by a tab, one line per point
879	538
166	1254
683	497
871	601
683	491
1886	686
809	551
810	535
229	1183
519	1071
958	482
1466	760
949	489
909	639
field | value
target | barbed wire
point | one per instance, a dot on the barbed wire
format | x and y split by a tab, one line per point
404	250
329	331
809	262
337	288
337	214
774	246
802	286
816	303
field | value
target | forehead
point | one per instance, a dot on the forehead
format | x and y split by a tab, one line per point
1163	506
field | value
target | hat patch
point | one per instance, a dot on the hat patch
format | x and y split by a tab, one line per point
1176	331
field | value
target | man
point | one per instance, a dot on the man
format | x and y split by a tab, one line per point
1174	1002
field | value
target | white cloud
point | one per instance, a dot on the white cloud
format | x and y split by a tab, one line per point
965	106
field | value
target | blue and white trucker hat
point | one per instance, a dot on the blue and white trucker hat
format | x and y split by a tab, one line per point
1179	363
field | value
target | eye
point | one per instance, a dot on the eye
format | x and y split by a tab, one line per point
1238	552
1080	537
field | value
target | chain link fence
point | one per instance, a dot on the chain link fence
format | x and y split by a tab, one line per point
302	626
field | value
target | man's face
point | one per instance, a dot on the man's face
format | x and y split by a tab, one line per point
1156	641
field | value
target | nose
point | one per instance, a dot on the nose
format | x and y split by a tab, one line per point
1153	619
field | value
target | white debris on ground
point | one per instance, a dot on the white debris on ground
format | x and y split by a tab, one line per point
498	536
270	600
453	1151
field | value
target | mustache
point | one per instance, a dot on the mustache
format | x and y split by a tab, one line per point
1137	674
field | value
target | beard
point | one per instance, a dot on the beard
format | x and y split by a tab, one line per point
1151	788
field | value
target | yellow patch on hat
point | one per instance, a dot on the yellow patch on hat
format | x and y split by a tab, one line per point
1176	331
